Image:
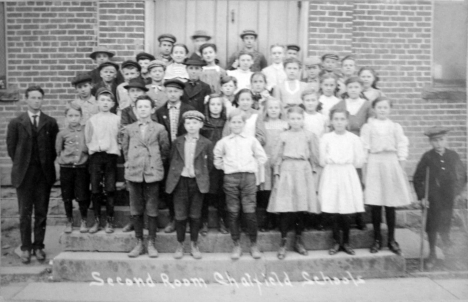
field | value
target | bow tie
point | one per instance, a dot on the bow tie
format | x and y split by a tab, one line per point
172	107
192	82
257	96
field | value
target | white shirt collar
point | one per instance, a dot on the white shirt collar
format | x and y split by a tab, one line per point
31	116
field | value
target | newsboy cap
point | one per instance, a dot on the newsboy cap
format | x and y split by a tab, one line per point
168	38
136	83
101	49
174	83
130	63
156	63
81	78
144	56
293	47
107	64
193	114
248	32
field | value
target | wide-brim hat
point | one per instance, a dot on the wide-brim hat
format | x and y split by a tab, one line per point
144	56
136	83
248	32
106	64
101	49
436	131
81	78
130	63
174	83
200	34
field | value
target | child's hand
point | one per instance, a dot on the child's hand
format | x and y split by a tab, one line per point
236	63
264	94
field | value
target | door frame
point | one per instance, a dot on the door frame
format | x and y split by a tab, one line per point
150	38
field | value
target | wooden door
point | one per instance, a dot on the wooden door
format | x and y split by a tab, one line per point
275	22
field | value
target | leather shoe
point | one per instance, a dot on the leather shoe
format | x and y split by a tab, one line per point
25	257
40	254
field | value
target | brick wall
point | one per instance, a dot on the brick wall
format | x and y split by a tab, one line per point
395	40
48	43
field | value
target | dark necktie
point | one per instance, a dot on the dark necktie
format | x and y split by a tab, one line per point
35	121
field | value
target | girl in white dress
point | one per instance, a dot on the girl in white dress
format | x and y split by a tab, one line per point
386	147
340	192
243	73
294	192
328	85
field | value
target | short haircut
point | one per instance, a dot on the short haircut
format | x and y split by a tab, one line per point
207	45
130	67
33	88
237	112
180	45
227	79
245	53
75	106
348	58
309	92
329	75
354	80
277	45
107	94
291	61
295	109
339	110
145	98
258	73
382	99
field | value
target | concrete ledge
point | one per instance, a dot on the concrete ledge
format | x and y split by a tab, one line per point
70	266
214	242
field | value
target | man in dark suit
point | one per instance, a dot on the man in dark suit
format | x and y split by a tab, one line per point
195	90
170	116
31	146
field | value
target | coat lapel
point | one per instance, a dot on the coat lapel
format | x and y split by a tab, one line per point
166	118
194	90
198	148
181	147
42	121
26	123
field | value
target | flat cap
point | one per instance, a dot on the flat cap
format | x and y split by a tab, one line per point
436	131
330	56
248	32
193	114
174	83
194	62
104	90
101	49
293	47
156	63
136	83
310	61
201	34
107	64
81	78
168	38
144	56
130	63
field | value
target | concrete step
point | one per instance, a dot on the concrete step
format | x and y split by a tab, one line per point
214	242
217	267
122	217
